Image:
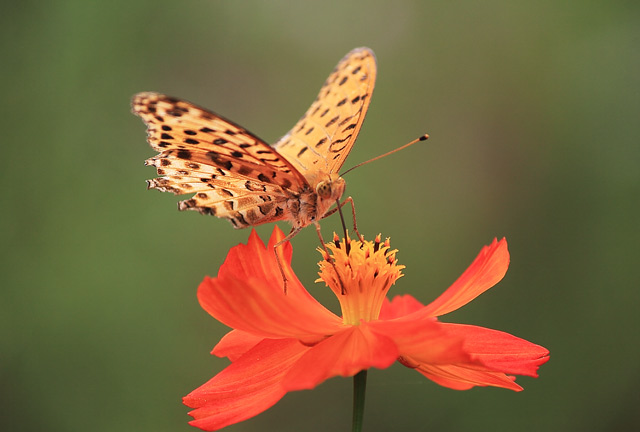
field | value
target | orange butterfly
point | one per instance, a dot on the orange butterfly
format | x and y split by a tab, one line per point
235	175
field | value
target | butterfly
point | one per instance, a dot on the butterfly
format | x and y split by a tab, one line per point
235	175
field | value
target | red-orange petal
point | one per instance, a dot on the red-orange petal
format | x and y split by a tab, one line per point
245	388
460	377
248	295
424	340
494	356
399	306
235	344
343	354
255	258
485	271
500	351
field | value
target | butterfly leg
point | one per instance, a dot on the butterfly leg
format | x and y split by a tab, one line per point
353	212
279	259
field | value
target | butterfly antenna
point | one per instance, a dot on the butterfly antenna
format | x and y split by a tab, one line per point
422	138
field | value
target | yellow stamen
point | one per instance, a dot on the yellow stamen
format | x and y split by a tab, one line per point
367	271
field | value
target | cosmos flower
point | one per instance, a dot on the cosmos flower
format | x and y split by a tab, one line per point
285	342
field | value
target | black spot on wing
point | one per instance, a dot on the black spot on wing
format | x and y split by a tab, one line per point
285	183
332	121
351	126
265	208
208	211
263	178
333	143
219	161
244	170
184	154
175	112
241	219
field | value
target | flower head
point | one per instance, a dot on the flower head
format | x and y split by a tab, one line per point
281	343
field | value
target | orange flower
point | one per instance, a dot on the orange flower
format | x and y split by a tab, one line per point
282	343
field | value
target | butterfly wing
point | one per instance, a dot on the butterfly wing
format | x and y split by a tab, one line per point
324	136
232	173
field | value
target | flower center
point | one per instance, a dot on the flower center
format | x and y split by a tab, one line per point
359	273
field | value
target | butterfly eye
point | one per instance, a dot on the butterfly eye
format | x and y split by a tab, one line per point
324	189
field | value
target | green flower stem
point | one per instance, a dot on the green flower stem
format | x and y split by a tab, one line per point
359	390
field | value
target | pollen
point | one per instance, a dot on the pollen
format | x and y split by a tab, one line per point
360	273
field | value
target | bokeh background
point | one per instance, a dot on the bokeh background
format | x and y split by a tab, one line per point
533	109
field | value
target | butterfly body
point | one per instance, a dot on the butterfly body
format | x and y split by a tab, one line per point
313	203
235	175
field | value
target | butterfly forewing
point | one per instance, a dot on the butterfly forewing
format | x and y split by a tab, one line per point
324	136
232	173
181	130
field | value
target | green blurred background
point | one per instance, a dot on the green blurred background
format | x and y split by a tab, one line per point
533	109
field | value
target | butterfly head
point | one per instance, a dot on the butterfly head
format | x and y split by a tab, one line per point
331	188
